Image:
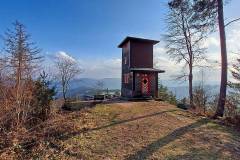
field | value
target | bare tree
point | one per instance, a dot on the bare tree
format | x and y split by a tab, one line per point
201	94
22	57
67	70
184	38
3	87
2	68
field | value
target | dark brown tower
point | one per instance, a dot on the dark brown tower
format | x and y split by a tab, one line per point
139	78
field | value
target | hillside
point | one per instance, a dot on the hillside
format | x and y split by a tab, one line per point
84	86
142	130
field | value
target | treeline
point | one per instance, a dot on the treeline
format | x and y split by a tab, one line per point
189	23
24	100
27	94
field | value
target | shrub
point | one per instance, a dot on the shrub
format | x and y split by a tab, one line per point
166	95
201	98
42	97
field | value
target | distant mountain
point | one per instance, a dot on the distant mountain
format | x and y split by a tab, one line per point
182	91
112	83
87	85
175	83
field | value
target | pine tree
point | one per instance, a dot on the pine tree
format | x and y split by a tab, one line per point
213	10
235	86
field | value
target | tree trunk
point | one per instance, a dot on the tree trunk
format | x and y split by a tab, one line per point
223	87
64	95
64	91
191	87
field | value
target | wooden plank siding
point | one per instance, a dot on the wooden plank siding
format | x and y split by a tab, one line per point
137	62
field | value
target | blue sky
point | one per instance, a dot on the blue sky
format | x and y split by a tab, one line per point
90	30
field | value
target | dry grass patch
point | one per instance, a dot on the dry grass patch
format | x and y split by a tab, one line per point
152	130
141	130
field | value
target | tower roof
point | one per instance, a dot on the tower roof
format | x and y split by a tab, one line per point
147	70
137	40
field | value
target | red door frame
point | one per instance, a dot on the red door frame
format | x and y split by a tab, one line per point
147	77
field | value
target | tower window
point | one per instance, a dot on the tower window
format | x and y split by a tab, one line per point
126	78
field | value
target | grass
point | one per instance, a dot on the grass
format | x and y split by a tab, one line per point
143	130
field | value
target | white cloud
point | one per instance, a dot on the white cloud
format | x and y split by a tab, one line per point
92	68
64	55
113	63
159	49
212	41
101	68
233	37
111	67
161	59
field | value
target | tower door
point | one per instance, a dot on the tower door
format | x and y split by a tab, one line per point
145	84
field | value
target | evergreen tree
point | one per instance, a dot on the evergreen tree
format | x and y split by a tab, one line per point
166	95
213	11
235	86
43	95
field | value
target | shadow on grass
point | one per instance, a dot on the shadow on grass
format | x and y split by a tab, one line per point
197	153
148	150
85	130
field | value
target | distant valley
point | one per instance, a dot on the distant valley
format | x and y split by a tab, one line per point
84	86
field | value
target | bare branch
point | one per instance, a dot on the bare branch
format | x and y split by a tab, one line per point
67	69
235	20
